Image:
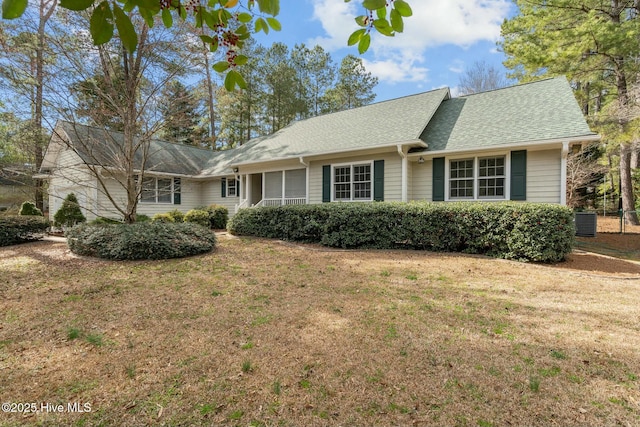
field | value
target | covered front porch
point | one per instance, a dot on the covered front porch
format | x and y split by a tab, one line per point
277	188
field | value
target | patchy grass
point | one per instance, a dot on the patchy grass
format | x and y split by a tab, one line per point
266	333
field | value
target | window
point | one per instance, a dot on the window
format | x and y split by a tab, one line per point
487	174
461	179
232	188
491	177
158	190
352	182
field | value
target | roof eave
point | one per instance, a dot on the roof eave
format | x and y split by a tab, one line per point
537	143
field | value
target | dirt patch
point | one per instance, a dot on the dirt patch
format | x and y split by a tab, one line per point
263	333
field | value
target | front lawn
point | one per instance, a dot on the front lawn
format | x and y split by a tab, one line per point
262	332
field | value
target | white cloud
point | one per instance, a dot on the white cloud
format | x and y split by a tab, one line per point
434	23
457	66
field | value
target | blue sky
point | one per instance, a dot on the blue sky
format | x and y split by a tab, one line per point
440	40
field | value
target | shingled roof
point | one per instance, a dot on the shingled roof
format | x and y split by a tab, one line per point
530	113
533	112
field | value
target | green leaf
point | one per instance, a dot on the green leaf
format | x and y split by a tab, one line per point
396	21
147	16
403	8
126	31
261	25
274	24
167	19
383	27
100	24
364	43
221	66
356	36
241	60
245	17
270	7
230	82
362	20
382	13
76	4
374	4
12	9
206	39
239	79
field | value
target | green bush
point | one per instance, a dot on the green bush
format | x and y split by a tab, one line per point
142	218
521	231
198	216
69	213
29	209
146	240
218	216
21	229
163	217
176	215
104	220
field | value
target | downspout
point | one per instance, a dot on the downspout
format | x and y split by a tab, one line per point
306	191
405	174
563	173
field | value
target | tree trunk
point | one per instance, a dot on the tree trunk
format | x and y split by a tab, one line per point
212	122
626	185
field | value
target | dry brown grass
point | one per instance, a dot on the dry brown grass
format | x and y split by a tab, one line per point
266	333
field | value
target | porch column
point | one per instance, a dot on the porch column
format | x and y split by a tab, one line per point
563	173
240	192
249	185
405	172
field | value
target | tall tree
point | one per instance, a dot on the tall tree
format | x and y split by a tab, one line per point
354	87
481	77
590	42
181	115
316	73
24	69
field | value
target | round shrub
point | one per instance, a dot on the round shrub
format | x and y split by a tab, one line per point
218	216
198	216
176	215
147	240
163	217
29	209
69	213
21	229
142	218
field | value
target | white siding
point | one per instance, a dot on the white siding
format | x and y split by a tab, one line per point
421	184
72	176
392	175
189	195
543	176
212	194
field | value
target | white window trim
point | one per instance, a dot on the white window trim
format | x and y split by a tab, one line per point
476	178
237	186
156	202
351	165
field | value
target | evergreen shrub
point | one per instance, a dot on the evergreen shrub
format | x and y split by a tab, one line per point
198	216
218	216
69	213
142	240
163	217
511	230
21	229
29	209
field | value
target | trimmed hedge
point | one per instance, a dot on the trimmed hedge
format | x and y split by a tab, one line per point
29	209
69	213
21	229
520	231
147	240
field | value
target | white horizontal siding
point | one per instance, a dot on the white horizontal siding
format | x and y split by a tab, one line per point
543	176
421	184
72	176
392	175
212	194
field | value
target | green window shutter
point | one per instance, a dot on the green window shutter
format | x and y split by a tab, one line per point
177	190
519	175
438	179
378	180
326	183
224	187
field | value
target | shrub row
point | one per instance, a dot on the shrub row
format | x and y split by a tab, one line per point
146	240
521	231
21	229
212	216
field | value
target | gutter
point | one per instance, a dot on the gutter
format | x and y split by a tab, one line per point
539	143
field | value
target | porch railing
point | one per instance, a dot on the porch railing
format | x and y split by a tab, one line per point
282	201
242	205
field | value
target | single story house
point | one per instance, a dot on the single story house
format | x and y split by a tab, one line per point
505	144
